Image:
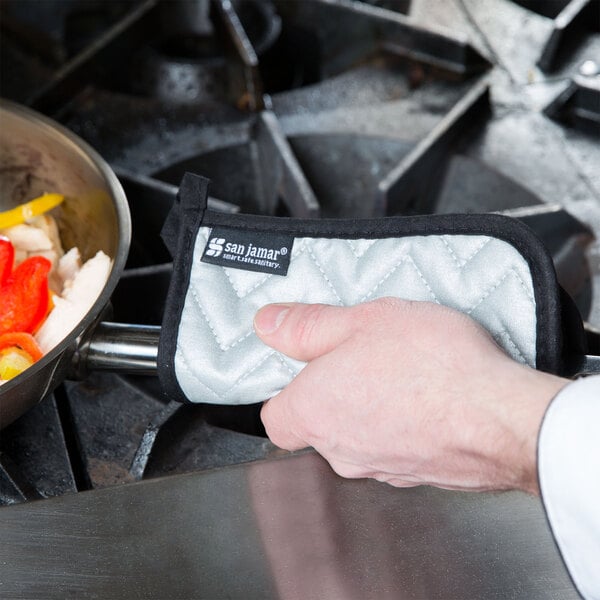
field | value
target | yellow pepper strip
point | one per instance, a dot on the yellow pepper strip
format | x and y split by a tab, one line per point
13	362
33	208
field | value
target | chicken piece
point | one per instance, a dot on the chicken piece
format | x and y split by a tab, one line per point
76	301
28	238
48	225
32	241
38	237
67	268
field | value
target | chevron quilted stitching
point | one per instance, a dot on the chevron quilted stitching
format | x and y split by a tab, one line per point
184	365
366	243
225	394
305	249
406	259
476	252
503	336
222	346
285	364
225	347
355	271
450	251
422	277
242	295
247	374
388	274
525	287
198	302
301	249
497	285
197	298
390	267
314	259
463	263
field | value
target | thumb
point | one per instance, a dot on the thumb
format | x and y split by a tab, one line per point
303	331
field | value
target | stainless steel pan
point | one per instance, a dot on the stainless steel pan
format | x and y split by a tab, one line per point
36	156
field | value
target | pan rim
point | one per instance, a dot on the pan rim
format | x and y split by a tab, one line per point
123	217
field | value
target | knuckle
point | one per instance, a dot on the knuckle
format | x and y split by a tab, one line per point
276	421
278	436
380	309
271	424
347	470
401	483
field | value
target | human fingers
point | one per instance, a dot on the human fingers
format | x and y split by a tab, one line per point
279	423
308	332
304	331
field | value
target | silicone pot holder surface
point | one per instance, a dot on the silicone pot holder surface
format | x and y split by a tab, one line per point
227	266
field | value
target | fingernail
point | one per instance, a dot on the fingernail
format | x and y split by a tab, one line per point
269	318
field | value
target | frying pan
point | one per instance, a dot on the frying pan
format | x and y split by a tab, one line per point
37	155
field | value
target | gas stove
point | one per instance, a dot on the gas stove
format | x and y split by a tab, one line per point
326	108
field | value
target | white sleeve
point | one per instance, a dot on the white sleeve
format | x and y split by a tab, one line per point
569	475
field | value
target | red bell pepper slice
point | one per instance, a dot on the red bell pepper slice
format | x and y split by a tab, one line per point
25	341
7	257
24	296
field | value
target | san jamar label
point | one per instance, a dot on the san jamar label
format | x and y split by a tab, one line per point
249	250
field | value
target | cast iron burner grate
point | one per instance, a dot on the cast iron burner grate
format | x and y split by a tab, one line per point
325	108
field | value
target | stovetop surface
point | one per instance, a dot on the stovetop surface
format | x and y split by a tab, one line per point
288	528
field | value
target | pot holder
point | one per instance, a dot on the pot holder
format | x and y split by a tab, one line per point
227	266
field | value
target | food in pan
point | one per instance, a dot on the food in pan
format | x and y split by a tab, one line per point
44	292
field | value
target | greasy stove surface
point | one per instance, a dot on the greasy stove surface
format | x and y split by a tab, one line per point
287	528
338	108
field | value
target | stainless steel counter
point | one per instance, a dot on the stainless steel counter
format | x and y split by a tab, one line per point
287	528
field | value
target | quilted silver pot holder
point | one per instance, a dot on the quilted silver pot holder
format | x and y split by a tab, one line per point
228	266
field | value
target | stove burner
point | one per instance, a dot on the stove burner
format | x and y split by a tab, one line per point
86	20
578	105
56	30
187	69
191	62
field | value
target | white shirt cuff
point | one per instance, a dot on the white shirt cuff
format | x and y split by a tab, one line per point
569	476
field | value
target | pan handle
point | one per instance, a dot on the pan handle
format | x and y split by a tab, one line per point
119	348
583	364
124	348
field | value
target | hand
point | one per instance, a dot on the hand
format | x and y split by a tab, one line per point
406	392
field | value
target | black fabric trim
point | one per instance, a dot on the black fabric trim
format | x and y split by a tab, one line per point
575	343
549	338
179	233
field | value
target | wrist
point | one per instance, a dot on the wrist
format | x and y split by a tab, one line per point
534	398
499	447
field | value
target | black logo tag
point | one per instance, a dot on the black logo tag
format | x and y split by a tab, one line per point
249	250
